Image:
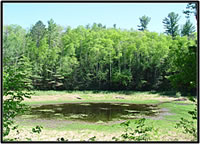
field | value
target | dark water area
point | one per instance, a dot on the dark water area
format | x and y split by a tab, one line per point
93	112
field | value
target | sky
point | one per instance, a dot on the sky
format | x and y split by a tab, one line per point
124	15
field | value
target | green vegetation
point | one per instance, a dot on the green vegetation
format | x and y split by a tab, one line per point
144	20
163	123
15	82
52	65
138	134
37	129
171	24
188	29
108	101
100	58
190	126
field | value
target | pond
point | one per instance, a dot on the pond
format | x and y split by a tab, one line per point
93	112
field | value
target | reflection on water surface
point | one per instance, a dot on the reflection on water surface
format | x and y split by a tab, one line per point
93	112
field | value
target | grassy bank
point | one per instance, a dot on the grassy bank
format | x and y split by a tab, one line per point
50	97
77	130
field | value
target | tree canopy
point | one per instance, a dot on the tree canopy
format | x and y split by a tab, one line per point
144	21
96	57
171	24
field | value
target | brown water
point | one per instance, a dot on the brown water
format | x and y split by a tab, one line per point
93	112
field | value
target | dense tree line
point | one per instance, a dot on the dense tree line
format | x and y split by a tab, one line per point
100	58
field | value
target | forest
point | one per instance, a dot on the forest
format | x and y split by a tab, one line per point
99	83
94	57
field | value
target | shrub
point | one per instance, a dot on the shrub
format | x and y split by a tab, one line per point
15	88
189	126
140	133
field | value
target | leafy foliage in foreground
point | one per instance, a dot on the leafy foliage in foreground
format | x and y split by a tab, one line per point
140	133
92	138
15	86
37	129
62	139
189	126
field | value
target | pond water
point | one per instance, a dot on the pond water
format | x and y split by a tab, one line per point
93	112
